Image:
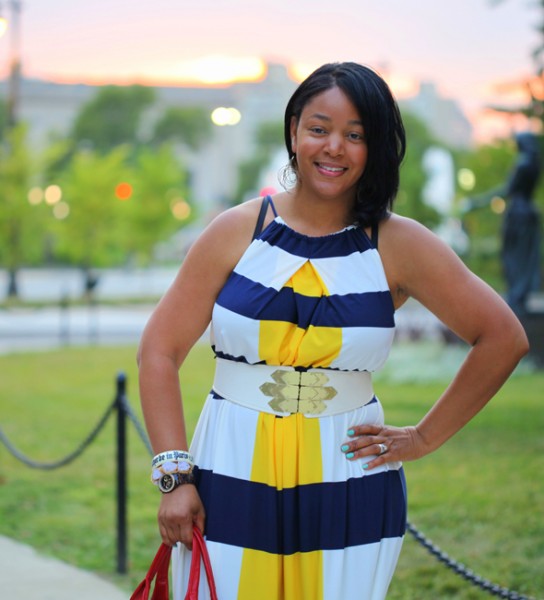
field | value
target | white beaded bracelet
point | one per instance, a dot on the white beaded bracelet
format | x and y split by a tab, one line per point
170	467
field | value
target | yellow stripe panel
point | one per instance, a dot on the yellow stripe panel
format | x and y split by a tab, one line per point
282	343
295	577
307	281
319	347
287	451
279	342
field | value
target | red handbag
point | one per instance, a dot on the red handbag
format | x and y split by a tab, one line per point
158	571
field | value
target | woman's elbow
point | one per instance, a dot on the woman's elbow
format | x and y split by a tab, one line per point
516	341
521	344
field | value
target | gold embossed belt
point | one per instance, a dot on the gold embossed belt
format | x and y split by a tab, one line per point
285	390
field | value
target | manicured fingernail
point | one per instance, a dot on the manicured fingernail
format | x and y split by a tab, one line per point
351	432
365	466
344	448
350	455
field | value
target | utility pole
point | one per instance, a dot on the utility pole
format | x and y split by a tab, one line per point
14	63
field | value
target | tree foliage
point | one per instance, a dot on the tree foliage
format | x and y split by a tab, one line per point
159	204
189	125
534	108
112	117
3	117
20	231
90	234
268	139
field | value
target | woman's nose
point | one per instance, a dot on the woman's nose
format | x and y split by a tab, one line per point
335	145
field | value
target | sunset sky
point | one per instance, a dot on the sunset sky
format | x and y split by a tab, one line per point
466	47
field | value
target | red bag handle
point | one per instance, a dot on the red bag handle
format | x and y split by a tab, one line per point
158	571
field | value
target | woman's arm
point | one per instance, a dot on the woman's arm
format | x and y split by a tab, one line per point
179	320
421	266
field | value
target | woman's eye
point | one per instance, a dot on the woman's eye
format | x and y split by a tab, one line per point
357	137
318	130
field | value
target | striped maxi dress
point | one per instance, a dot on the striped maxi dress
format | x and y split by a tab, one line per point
288	517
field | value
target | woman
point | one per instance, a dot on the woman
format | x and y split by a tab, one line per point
299	485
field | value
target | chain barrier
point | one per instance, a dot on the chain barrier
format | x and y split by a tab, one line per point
67	459
138	426
461	570
122	404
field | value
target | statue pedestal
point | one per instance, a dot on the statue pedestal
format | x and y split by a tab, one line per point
533	323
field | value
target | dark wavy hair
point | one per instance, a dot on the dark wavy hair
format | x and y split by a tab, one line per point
382	123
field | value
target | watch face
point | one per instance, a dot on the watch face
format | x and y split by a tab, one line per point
166	483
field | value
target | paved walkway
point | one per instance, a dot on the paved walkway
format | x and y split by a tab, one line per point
27	575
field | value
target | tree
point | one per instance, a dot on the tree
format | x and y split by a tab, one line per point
3	117
189	125
534	109
20	232
88	232
158	205
268	138
112	117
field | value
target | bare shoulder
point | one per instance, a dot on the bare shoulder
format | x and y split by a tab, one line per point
229	234
397	230
414	257
420	265
405	240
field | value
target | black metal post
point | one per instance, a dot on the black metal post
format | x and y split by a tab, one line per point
121	475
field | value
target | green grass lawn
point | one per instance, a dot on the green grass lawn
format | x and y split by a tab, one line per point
480	497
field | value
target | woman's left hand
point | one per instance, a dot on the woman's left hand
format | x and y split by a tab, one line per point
384	444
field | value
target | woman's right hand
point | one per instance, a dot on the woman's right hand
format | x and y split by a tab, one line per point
178	512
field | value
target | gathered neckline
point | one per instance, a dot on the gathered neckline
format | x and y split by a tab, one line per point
280	221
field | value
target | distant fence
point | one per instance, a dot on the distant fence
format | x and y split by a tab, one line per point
124	412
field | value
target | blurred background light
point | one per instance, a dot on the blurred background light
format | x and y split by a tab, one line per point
466	179
498	205
222	116
61	210
52	194
35	196
218	69
3	25
180	209
123	191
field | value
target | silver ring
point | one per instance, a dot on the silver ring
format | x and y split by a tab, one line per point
383	448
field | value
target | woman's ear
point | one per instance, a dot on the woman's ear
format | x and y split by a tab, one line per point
293	130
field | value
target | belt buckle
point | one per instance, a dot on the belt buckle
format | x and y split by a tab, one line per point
298	392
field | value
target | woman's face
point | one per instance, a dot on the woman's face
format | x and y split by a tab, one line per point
329	142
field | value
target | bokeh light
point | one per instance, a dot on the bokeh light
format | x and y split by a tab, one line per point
498	205
180	209
52	194
35	196
222	116
123	191
61	210
466	179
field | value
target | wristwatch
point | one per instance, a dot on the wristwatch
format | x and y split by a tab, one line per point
170	481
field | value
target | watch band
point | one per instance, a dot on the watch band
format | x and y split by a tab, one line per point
170	481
